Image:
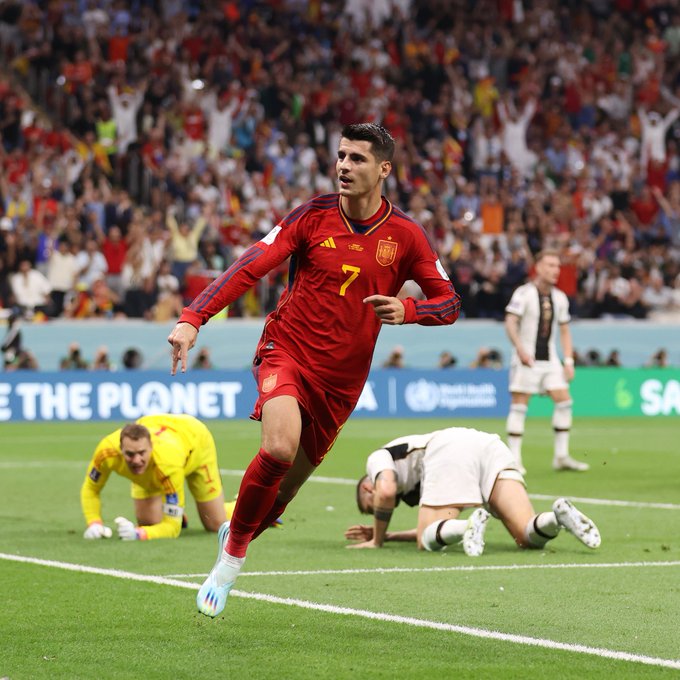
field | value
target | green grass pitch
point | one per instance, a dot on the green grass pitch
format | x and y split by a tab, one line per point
305	607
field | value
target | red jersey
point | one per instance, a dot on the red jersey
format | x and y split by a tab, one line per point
321	320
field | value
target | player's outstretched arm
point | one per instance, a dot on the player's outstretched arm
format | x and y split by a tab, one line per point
90	500
364	533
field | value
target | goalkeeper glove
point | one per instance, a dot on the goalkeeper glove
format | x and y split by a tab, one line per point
97	530
127	531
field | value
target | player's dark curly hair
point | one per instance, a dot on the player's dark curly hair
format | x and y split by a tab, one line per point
382	142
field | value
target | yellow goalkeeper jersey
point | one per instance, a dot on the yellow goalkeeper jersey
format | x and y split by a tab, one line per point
182	448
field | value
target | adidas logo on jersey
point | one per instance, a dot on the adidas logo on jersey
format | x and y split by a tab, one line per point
328	243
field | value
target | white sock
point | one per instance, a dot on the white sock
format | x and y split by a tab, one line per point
541	529
561	444
515	446
228	568
561	421
514	426
443	532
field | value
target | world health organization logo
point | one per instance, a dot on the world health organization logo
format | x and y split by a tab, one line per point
422	395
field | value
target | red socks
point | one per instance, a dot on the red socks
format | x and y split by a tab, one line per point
272	516
256	497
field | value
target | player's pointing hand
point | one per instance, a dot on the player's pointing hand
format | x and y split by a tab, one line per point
390	310
182	339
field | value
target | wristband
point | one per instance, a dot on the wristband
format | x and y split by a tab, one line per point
383	514
568	361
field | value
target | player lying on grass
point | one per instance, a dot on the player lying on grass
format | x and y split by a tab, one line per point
446	471
157	453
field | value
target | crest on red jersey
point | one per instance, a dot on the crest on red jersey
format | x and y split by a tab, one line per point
386	252
269	383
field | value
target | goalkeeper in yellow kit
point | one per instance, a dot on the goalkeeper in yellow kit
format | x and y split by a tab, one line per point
157	453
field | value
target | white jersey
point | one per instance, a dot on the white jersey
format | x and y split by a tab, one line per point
405	457
539	318
458	465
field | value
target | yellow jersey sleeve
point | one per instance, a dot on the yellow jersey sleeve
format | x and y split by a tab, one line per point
106	456
168	527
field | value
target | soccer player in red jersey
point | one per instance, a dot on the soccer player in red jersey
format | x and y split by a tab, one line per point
350	253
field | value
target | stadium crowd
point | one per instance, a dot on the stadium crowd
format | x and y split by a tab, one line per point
146	144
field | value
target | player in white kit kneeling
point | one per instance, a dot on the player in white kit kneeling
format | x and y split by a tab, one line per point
445	472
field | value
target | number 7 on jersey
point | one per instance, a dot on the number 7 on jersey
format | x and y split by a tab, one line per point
353	273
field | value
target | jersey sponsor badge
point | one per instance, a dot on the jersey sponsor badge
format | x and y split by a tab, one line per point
269	383
442	271
271	236
95	474
386	252
171	498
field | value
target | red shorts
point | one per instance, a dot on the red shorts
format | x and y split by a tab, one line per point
323	415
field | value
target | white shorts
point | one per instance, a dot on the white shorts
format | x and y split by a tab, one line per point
463	471
542	377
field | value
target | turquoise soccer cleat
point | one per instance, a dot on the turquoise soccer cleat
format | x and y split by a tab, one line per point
212	595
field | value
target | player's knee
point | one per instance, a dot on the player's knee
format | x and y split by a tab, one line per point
562	415
280	446
211	524
516	417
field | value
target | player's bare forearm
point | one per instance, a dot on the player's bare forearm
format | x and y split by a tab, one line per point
566	342
407	536
568	352
512	330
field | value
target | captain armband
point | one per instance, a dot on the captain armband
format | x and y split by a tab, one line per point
383	514
173	510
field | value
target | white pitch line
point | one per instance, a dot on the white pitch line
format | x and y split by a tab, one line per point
424	570
365	614
536	496
352	482
49	439
15	464
467	630
607	501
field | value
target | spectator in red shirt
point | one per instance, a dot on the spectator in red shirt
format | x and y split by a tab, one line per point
79	72
119	44
194	122
645	207
114	250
